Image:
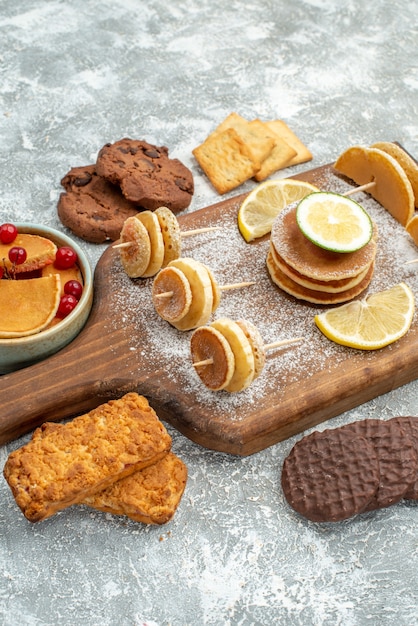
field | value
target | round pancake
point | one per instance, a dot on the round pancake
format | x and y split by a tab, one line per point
311	295
392	188
329	286
408	164
312	261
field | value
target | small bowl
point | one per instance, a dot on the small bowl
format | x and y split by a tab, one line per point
20	352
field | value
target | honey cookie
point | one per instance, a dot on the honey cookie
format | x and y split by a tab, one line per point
91	207
146	175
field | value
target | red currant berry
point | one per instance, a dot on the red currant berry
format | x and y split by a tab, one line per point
73	288
65	258
8	233
17	255
66	305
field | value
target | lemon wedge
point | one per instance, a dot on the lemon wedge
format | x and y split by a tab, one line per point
334	222
262	205
372	323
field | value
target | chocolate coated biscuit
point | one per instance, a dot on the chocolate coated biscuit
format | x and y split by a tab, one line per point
330	476
91	207
410	425
146	174
396	456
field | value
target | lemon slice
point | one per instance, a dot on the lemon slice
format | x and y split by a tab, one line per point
260	208
334	222
372	323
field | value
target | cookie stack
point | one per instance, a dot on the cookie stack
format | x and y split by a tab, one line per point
239	149
117	459
308	272
367	465
129	175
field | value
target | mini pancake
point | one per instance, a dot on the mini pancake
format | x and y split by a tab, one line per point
173	307
170	230
329	286
408	164
310	295
40	251
216	292
202	293
136	257
392	188
412	228
312	261
257	345
244	360
207	343
151	223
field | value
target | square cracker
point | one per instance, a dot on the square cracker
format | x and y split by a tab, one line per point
280	157
302	152
259	139
226	160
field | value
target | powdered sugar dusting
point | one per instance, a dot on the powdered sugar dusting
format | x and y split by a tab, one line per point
164	349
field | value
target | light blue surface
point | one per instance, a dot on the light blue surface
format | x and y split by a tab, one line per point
75	75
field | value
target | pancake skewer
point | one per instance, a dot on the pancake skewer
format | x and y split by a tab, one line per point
184	234
150	240
364	187
229	355
186	293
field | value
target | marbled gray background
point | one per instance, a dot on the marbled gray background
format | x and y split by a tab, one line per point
74	75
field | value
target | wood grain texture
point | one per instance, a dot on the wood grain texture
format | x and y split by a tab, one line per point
100	364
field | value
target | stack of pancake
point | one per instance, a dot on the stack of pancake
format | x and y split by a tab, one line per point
308	272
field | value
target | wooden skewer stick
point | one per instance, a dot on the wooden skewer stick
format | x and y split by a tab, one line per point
196	231
269	346
124	244
168	294
364	187
186	233
164	294
410	262
204	362
283	342
236	285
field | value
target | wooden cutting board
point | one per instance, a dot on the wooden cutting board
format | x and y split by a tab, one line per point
125	346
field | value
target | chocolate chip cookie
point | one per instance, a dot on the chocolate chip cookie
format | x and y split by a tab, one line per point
146	175
91	207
